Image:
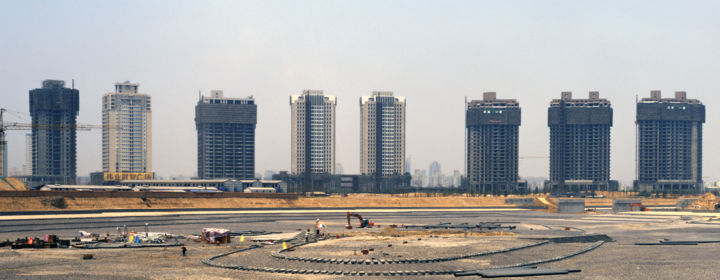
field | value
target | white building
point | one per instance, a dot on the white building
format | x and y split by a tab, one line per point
382	134
127	130
313	132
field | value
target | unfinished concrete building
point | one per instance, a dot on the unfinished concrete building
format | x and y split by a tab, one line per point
492	144
580	144
54	109
226	136
669	143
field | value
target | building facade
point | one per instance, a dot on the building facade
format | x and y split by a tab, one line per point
492	144
580	144
127	130
312	135
54	109
669	143
382	134
225	136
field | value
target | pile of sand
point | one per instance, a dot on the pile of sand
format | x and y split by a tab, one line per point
11	184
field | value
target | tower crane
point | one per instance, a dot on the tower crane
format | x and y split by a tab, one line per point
29	126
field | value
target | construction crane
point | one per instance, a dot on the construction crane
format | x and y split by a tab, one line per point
29	126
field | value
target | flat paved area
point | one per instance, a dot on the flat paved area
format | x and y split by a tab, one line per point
615	260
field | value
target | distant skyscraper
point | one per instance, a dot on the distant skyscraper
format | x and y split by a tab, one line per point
313	133
669	143
127	130
434	175
226	136
492	144
339	169
580	144
382	134
54	110
407	164
27	167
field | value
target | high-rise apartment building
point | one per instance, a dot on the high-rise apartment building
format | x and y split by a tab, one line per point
127	130
580	144
669	143
312	136
226	136
382	134
54	109
492	144
313	132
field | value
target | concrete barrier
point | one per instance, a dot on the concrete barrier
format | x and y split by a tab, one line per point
685	202
522	202
134	194
571	205
624	205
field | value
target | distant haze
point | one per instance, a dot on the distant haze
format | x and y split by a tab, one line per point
434	53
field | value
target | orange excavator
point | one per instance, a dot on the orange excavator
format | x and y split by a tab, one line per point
639	206
363	222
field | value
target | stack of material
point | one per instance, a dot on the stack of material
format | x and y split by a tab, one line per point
216	235
705	202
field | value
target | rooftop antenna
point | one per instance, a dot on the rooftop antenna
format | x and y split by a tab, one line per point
73	83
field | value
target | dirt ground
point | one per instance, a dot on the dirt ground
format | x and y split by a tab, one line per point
333	201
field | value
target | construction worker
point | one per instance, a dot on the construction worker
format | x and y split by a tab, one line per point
317	227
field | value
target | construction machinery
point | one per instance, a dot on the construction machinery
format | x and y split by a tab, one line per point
364	223
29	126
639	206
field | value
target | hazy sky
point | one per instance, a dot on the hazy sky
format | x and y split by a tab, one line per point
432	52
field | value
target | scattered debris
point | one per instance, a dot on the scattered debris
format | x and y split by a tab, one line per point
50	241
87	257
216	235
465	226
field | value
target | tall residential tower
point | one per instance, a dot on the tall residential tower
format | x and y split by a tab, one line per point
492	144
669	143
382	134
312	135
580	144
54	109
226	136
127	130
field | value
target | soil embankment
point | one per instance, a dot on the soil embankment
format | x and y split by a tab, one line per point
66	202
334	201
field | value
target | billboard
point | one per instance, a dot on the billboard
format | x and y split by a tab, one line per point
118	176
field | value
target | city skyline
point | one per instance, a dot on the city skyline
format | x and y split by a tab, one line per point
621	54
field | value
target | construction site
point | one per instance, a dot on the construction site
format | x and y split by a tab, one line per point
360	236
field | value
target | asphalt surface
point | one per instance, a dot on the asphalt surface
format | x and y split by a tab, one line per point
621	259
